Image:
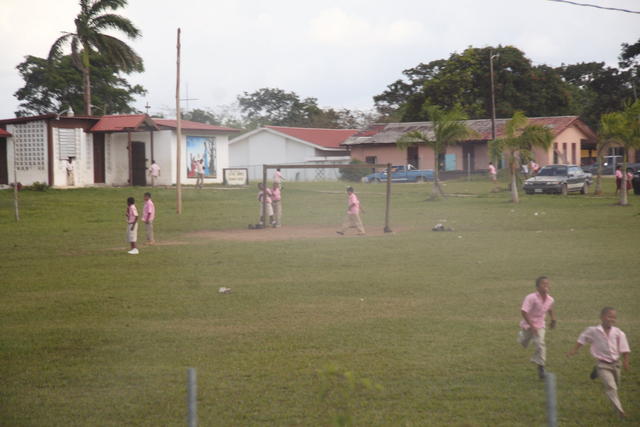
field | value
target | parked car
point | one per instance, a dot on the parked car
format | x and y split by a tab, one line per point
401	173
560	179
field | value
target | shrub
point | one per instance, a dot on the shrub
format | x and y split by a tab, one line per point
354	174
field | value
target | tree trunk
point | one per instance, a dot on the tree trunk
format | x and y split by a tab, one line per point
436	189
86	83
624	200
514	184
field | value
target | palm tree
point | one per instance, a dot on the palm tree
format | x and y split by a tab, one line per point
90	23
447	128
520	138
623	127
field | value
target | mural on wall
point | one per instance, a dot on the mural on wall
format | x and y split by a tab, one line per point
201	148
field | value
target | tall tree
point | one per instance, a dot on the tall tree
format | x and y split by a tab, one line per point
519	140
273	106
447	127
464	80
623	127
93	19
51	85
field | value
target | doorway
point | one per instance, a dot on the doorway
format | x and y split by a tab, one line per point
468	157
4	164
412	157
98	158
138	163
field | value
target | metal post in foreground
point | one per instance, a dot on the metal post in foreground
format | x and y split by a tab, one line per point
386	209
468	166
264	196
550	390
192	396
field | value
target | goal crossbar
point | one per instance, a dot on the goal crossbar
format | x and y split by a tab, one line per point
386	166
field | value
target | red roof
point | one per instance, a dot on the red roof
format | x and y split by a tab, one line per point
121	123
4	133
328	138
189	125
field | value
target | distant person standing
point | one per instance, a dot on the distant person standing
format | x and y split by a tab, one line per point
618	179
277	177
70	169
276	201
199	173
154	172
533	168
131	215
148	216
352	219
608	345
532	327
629	178
492	172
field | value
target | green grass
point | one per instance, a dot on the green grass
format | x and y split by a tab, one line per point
93	336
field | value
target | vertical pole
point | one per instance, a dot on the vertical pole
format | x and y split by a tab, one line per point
264	194
493	98
151	136
387	229
15	181
192	397
178	132
550	390
468	166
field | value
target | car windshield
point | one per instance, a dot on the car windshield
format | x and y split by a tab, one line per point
553	172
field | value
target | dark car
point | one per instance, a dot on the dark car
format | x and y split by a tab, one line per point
559	179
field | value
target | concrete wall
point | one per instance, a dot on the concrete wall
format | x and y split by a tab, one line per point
29	168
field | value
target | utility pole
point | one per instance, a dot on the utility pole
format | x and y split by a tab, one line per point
493	96
178	132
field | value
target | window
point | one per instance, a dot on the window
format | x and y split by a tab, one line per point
66	143
371	160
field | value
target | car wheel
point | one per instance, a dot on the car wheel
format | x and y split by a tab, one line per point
584	189
528	191
564	190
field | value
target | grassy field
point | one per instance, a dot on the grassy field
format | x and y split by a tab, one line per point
404	329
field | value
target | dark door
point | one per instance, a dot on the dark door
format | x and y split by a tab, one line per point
4	164
98	158
468	157
139	164
412	157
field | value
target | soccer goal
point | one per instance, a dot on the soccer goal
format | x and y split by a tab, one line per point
387	166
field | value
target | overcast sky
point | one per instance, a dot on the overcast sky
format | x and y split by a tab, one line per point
340	52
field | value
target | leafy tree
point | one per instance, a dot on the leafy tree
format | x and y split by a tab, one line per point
95	18
52	85
272	106
464	80
623	127
520	138
202	116
448	127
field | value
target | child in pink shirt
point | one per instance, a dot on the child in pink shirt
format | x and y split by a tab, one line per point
352	220
276	202
534	309
131	214
492	172
608	345
148	216
269	207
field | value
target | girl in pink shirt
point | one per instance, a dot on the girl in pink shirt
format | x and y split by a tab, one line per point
131	214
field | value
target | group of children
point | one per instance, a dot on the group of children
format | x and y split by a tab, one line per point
619	178
609	345
148	217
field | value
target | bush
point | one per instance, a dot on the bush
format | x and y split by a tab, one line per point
37	186
354	174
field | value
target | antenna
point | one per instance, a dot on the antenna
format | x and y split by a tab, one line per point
187	99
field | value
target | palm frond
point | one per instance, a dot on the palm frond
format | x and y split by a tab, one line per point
115	22
56	47
102	5
118	52
414	137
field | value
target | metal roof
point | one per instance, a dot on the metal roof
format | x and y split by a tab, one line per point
189	125
328	138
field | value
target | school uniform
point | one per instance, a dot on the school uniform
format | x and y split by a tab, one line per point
352	219
148	216
536	308
276	202
132	214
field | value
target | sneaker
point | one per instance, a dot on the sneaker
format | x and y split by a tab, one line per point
340	233
541	373
133	251
594	373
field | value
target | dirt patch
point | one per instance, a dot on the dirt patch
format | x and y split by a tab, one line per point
284	233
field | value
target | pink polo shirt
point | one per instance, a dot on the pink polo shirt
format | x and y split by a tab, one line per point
618	173
536	308
605	347
268	196
149	211
276	194
132	213
354	204
492	169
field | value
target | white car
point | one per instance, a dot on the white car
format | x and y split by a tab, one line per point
559	179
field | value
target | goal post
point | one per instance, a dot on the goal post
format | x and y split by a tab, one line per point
387	166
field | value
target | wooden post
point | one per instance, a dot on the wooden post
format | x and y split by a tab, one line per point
388	202
264	195
178	133
15	181
192	397
151	135
130	158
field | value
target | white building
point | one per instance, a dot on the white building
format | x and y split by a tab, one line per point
290	145
41	147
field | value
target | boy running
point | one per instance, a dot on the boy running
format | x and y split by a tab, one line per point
534	309
352	220
608	345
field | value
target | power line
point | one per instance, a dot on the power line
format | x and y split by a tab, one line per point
596	6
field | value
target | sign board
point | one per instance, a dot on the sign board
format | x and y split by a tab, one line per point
236	176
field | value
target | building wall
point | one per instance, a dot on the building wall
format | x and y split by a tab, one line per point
254	151
568	145
29	147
